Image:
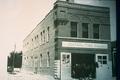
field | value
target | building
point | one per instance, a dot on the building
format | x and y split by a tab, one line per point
114	53
71	42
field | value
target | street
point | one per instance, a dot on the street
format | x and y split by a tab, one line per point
25	75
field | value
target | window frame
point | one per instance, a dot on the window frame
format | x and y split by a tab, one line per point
96	34
73	32
85	30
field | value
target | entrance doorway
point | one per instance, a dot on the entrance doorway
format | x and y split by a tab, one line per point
104	70
83	65
65	66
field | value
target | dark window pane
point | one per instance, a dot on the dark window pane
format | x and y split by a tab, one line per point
99	57
96	36
73	34
104	62
96	31
104	57
73	29
85	35
85	30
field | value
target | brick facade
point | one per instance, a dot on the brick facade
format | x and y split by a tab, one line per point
42	41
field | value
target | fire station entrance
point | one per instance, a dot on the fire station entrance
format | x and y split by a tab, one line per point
76	65
83	65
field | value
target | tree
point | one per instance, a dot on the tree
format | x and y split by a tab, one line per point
15	59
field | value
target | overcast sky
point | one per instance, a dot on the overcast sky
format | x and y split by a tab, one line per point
19	17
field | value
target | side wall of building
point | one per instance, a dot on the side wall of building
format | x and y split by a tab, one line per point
38	47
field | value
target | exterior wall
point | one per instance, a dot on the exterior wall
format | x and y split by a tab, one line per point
58	20
34	47
113	51
71	12
82	50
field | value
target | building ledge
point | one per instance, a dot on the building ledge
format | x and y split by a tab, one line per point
89	39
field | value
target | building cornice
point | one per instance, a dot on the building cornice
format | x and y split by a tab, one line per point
82	6
89	39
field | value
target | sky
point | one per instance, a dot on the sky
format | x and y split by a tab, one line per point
19	17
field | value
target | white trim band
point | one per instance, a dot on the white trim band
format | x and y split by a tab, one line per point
84	45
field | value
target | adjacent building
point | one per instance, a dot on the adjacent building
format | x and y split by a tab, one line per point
71	42
114	53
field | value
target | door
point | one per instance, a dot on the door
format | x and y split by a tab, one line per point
103	70
65	66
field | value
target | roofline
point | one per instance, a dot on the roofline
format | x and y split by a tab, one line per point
53	9
38	24
82	5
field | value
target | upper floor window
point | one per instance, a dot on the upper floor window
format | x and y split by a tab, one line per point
37	36
41	35
85	30
48	33
44	36
96	31
73	29
67	0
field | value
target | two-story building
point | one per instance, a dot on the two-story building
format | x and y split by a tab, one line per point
71	42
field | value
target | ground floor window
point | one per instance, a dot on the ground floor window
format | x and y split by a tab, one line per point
40	60
48	59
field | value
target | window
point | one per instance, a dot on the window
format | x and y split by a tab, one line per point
48	59
44	36
85	30
96	31
40	60
41	37
37	36
48	35
55	12
31	57
102	59
67	0
73	29
65	59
